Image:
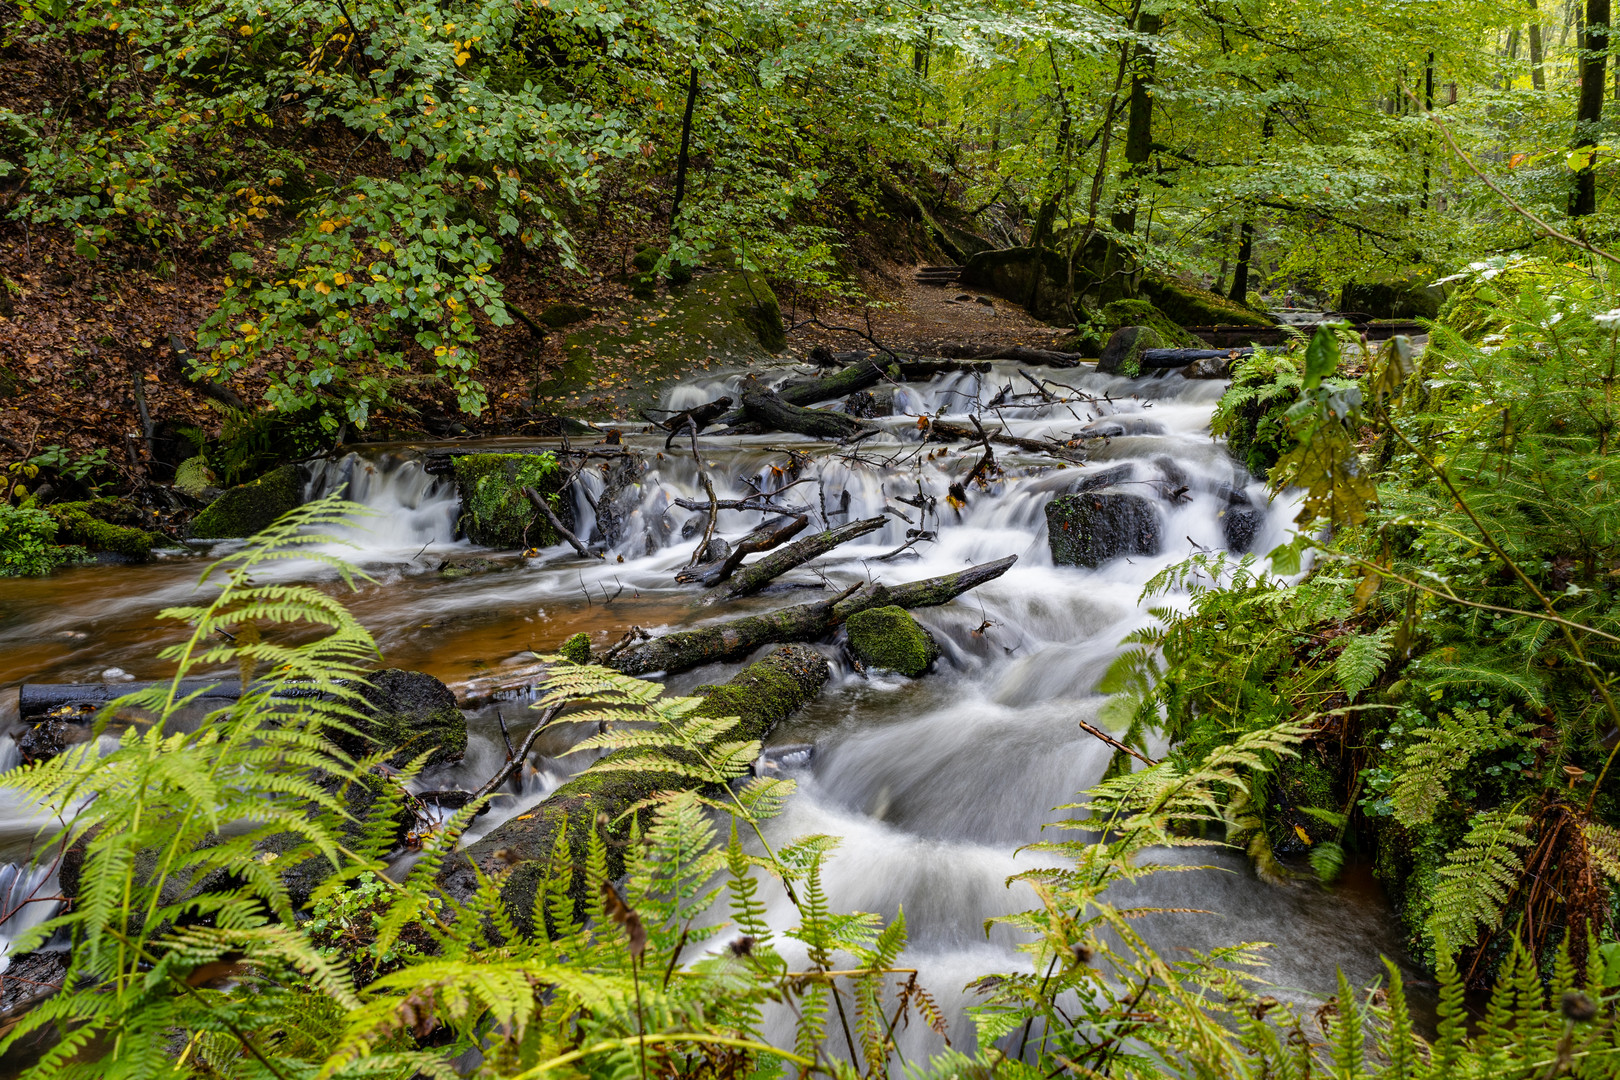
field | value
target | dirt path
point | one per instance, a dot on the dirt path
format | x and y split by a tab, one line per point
922	317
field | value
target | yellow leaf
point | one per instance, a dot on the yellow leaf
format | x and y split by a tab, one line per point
1303	835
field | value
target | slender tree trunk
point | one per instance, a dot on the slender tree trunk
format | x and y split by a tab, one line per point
1589	112
686	147
1240	273
1049	208
1138	125
1538	78
1428	106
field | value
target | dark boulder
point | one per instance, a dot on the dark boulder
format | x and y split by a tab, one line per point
408	712
248	508
1090	529
1241	522
1123	353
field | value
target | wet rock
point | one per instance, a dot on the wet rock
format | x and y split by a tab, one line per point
576	648
1123	353
51	737
1090	529
618	501
248	508
495	512
1113	427
716	550
871	403
31	977
1110	477
889	638
1240	523
1215	367
454	568
410	712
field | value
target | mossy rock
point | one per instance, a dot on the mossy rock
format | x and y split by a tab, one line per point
102	526
1123	353
1187	304
889	638
248	508
576	648
727	317
495	512
1407	293
1477	307
1252	414
1091	528
407	713
557	316
1143	313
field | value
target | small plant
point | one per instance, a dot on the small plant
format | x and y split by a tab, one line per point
347	923
26	542
81	469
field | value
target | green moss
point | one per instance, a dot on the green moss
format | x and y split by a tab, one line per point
889	638
250	507
1188	305
1476	307
560	315
90	525
1143	313
576	648
494	511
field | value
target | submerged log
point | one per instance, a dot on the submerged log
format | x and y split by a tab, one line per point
764	406
769	535
737	638
760	696
1172	358
753	578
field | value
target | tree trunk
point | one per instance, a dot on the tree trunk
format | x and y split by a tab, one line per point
750	579
1589	110
686	147
683	651
762	405
1240	272
761	696
1138	125
1538	78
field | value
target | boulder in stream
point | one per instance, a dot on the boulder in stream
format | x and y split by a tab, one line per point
1123	353
247	508
495	512
1091	529
410	712
889	638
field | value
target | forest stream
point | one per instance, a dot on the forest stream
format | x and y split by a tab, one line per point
933	783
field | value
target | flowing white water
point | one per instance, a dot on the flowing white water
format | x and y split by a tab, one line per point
932	783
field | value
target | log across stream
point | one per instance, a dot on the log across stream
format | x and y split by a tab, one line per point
933	783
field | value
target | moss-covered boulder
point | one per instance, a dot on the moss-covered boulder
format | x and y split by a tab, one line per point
1408	293
495	512
557	316
889	638
250	507
723	316
1187	304
103	527
1483	303
1123	353
1092	528
407	713
1252	414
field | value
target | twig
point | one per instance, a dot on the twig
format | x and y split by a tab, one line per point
521	756
1115	743
556	522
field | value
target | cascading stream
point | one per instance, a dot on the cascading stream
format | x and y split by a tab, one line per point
932	783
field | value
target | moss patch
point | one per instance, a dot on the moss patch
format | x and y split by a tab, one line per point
1143	313
560	315
576	648
889	638
725	316
250	507
101	525
410	713
495	512
1189	305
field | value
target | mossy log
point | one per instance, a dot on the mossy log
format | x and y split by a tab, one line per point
753	578
737	638
764	406
760	696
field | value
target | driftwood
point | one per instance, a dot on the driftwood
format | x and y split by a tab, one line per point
760	696
732	640
751	579
563	531
35	699
693	420
769	535
764	406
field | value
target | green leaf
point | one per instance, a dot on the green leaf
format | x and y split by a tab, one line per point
1321	357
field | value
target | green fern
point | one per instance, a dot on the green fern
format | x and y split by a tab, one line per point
1477	877
1363	660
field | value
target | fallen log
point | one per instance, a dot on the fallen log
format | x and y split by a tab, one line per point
760	696
1020	353
769	535
764	406
693	420
1171	358
735	639
34	699
753	578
